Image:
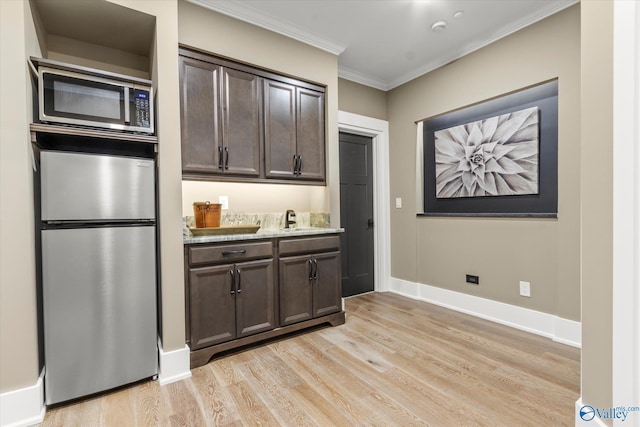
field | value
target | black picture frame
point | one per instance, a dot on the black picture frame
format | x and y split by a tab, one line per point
545	203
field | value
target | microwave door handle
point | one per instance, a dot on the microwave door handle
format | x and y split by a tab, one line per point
127	118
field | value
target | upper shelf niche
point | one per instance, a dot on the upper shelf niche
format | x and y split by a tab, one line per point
96	34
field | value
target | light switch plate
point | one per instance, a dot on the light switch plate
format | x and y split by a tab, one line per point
224	201
398	202
525	289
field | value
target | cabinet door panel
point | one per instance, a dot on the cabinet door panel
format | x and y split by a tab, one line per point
280	129
241	124
211	305
199	106
296	290
255	297
310	134
327	292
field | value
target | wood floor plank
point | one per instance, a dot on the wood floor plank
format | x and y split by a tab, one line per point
216	402
355	393
471	343
251	408
447	359
474	363
89	409
117	408
396	386
276	395
395	361
185	410
146	402
320	377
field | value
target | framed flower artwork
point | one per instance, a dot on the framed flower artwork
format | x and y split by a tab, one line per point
495	158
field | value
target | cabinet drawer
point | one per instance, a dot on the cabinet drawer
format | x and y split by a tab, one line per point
309	245
229	253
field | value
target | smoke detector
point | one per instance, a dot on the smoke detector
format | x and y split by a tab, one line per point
438	26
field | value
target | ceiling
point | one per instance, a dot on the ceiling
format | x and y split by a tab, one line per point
385	43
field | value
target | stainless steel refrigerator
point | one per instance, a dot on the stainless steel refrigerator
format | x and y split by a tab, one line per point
98	272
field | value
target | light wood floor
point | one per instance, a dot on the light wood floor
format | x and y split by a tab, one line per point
395	362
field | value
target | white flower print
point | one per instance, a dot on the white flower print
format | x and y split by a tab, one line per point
493	157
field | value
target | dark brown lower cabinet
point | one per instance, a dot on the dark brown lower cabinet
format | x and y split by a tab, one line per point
327	287
212	306
230	301
309	286
237	294
309	278
296	289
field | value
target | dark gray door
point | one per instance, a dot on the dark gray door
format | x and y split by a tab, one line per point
356	213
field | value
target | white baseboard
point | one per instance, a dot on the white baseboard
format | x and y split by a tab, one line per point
548	325
174	365
23	407
595	422
568	332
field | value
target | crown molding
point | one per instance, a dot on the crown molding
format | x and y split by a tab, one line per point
243	12
362	78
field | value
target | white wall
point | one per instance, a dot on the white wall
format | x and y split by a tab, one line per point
18	319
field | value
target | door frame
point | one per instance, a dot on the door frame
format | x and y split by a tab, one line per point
378	130
625	344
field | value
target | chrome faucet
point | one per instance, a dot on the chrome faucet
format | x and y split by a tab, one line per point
287	218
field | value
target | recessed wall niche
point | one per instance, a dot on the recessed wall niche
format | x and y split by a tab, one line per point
97	34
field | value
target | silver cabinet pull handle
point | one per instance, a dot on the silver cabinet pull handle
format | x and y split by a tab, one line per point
234	252
310	269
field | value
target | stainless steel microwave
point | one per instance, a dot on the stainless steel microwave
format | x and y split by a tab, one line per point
80	96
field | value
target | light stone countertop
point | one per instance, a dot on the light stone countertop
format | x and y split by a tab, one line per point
261	234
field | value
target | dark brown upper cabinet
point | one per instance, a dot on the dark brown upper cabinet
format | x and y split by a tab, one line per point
200	116
294	132
221	121
280	129
242	123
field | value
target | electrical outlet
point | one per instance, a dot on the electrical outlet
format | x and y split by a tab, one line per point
224	201
525	289
473	279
